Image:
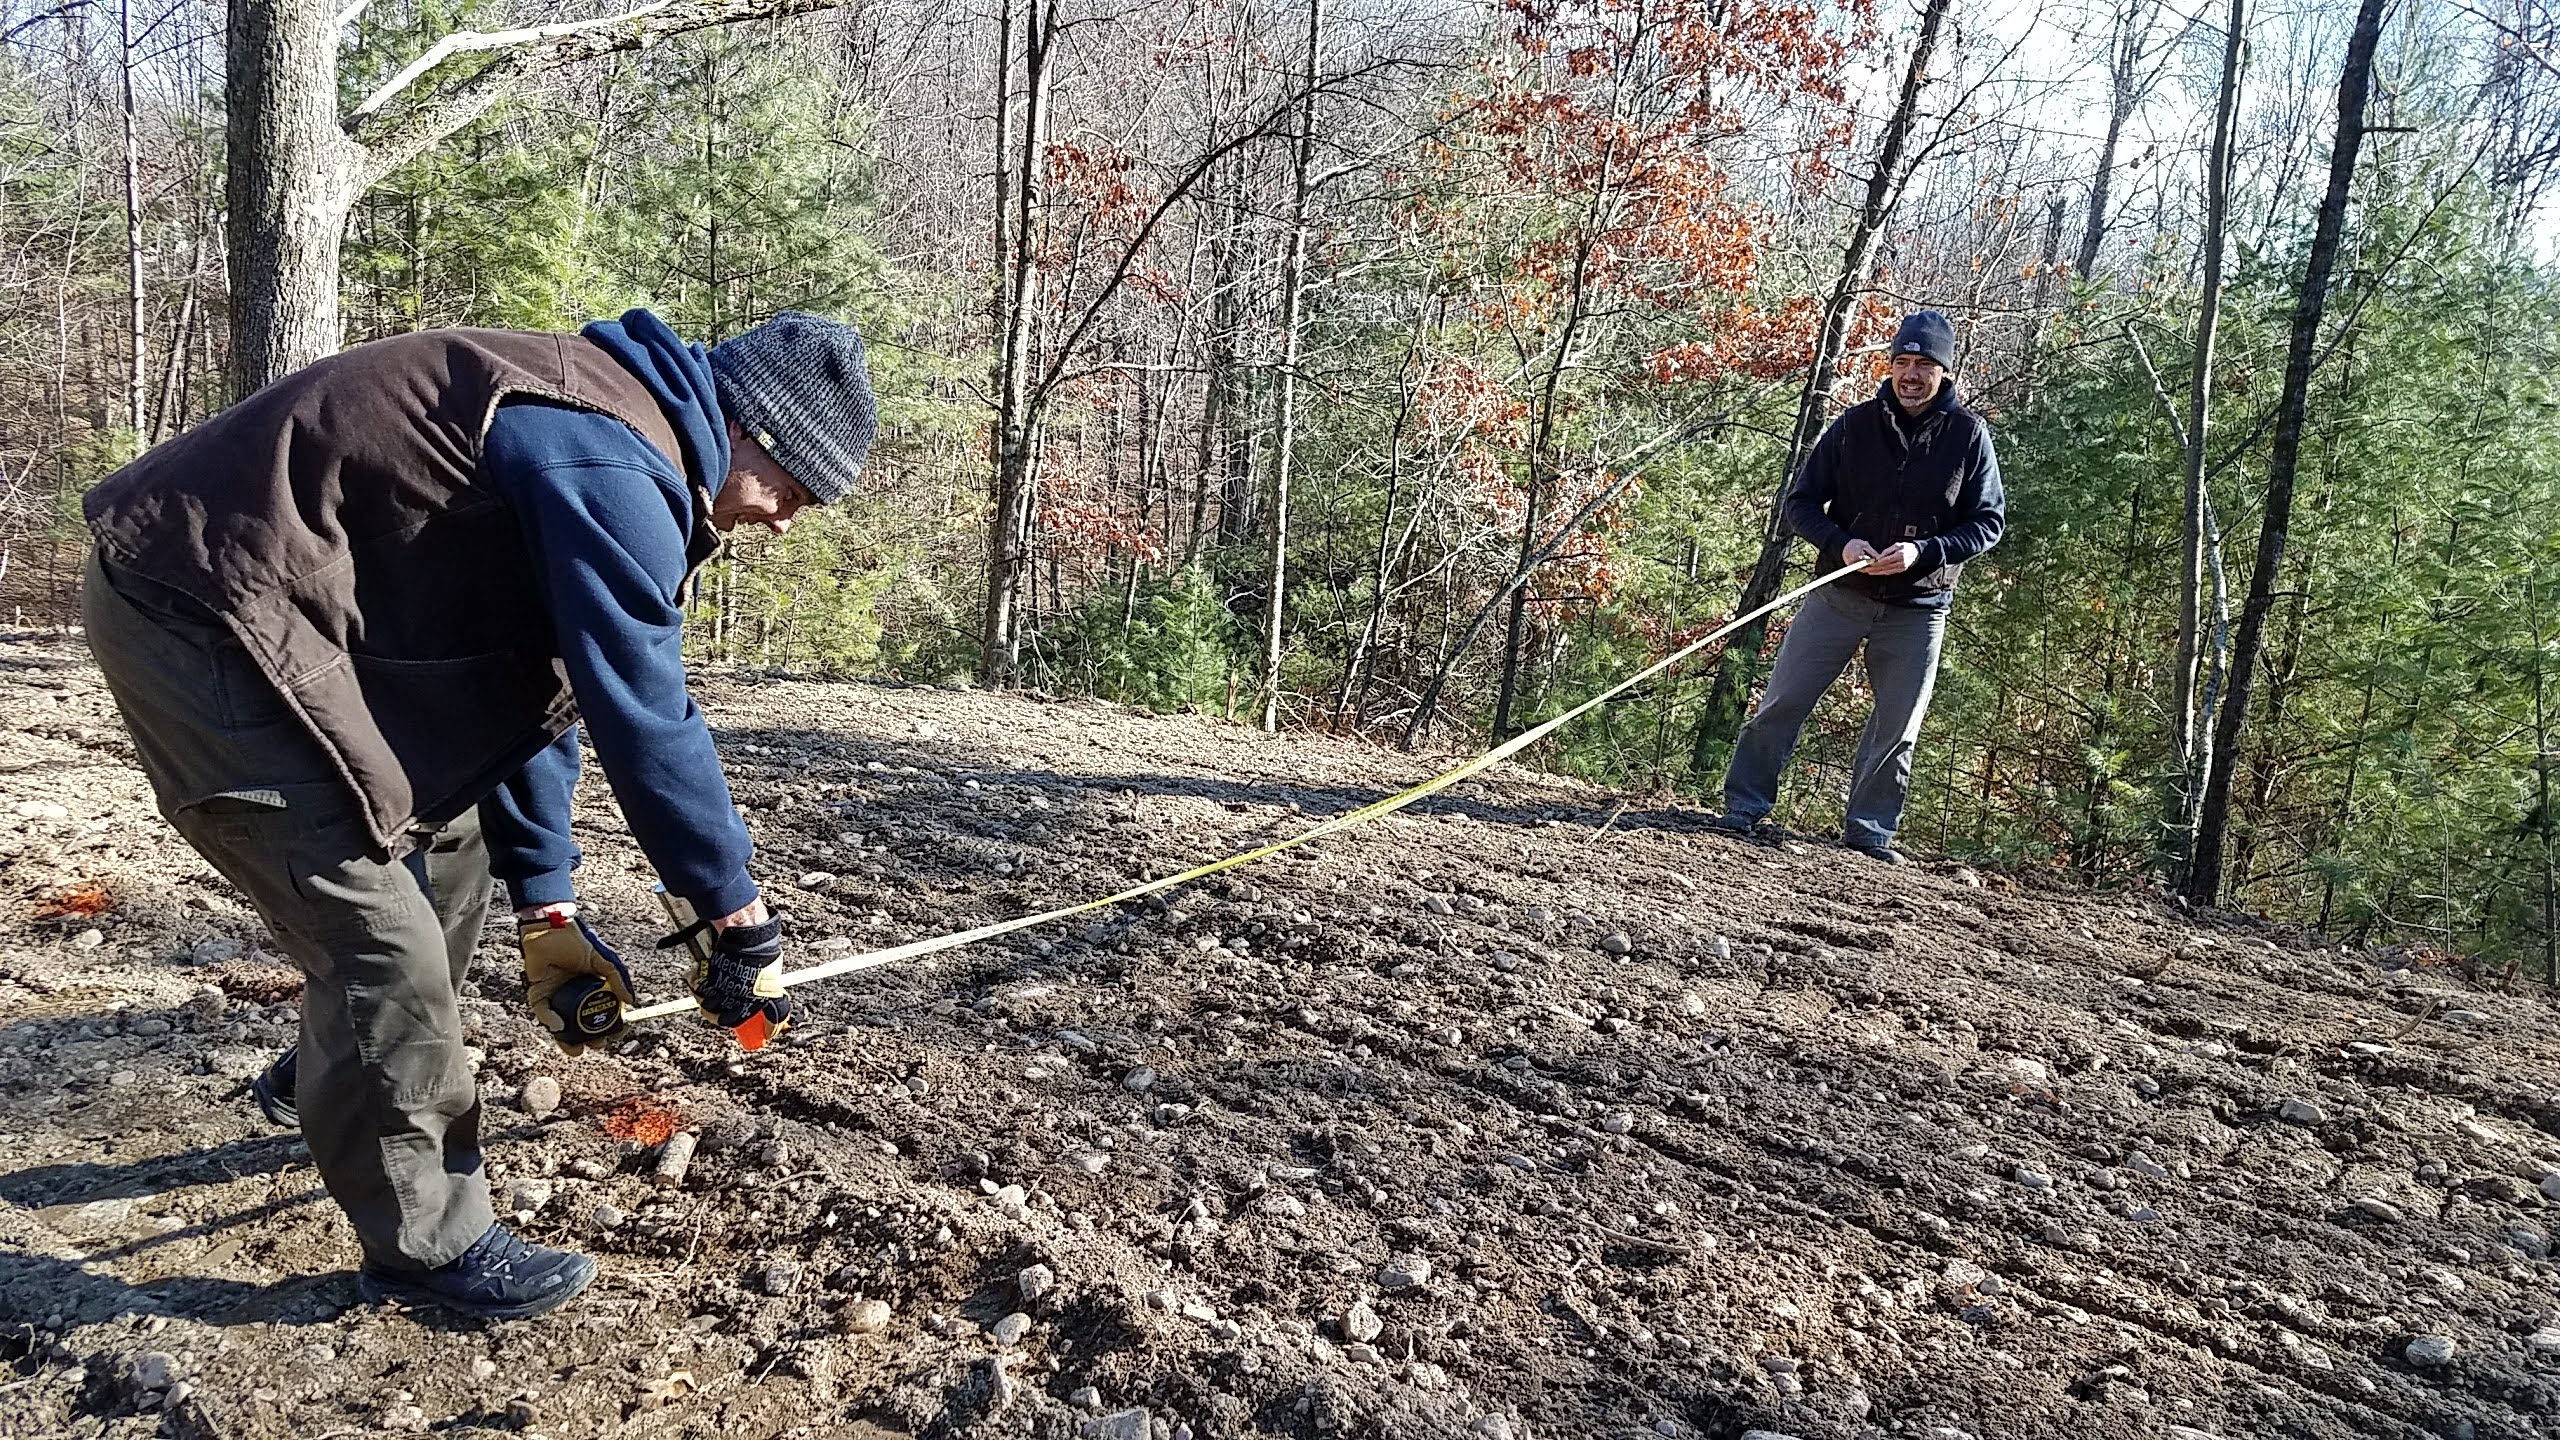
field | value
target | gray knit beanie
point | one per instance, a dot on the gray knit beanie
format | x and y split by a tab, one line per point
797	383
1924	333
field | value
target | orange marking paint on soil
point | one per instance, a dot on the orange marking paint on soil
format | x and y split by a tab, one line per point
82	901
639	1119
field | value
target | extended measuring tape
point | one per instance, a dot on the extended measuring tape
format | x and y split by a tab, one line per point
915	949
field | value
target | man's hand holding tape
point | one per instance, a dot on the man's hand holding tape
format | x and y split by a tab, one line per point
740	985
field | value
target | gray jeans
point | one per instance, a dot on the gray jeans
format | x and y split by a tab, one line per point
389	1107
1902	644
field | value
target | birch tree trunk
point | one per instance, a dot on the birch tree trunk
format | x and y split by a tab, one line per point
1292	345
1009	535
2195	720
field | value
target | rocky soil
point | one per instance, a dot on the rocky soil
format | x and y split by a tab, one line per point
1521	1113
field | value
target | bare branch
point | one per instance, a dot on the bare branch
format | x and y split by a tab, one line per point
397	142
465	41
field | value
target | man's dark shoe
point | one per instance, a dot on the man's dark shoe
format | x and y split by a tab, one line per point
1881	854
274	1090
1735	823
501	1277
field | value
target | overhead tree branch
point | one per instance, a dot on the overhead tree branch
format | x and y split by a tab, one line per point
392	142
462	42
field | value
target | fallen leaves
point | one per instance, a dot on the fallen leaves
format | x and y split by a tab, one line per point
83	901
643	1119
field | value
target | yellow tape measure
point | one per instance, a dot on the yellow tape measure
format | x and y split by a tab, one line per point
914	949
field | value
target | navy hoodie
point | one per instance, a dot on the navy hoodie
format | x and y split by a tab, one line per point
1884	477
606	518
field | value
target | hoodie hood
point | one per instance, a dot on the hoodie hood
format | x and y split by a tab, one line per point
679	376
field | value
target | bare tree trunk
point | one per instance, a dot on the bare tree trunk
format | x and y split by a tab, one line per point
2127	87
1293	288
1722	718
1352	707
2546	754
2203	883
2195	719
289	186
136	347
1009	535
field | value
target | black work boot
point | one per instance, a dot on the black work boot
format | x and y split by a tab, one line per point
273	1090
1734	822
501	1277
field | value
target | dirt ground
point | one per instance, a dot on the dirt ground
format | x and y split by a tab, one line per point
1521	1113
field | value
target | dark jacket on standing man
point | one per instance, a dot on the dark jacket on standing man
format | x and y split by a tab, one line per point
1884	477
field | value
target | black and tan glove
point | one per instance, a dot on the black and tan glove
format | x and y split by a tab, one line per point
573	982
739	985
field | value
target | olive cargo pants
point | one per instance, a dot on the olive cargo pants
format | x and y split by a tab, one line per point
389	1106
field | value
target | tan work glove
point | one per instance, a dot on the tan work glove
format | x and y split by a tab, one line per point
560	952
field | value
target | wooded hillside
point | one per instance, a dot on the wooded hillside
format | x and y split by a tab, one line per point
1411	371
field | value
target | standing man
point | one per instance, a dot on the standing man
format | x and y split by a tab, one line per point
353	624
1907	483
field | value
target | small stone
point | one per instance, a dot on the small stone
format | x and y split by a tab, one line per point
1011	1329
541	1096
179	1394
779	1277
2551	1186
1436	906
2301	1112
1495	1427
1404	1273
1614	943
88	939
2429	1352
816	880
2147	1168
1505	961
1139	1081
1360	1322
525	1198
865	1317
154	1370
2031	1178
1360	1354
1034	1281
1119	1425
1722	949
1617	1122
2376	1208
2547	1340
1163	1300
1085	1397
607	1216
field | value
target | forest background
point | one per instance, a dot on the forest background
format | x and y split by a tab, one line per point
1412	369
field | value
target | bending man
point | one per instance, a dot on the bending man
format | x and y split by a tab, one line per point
353	623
